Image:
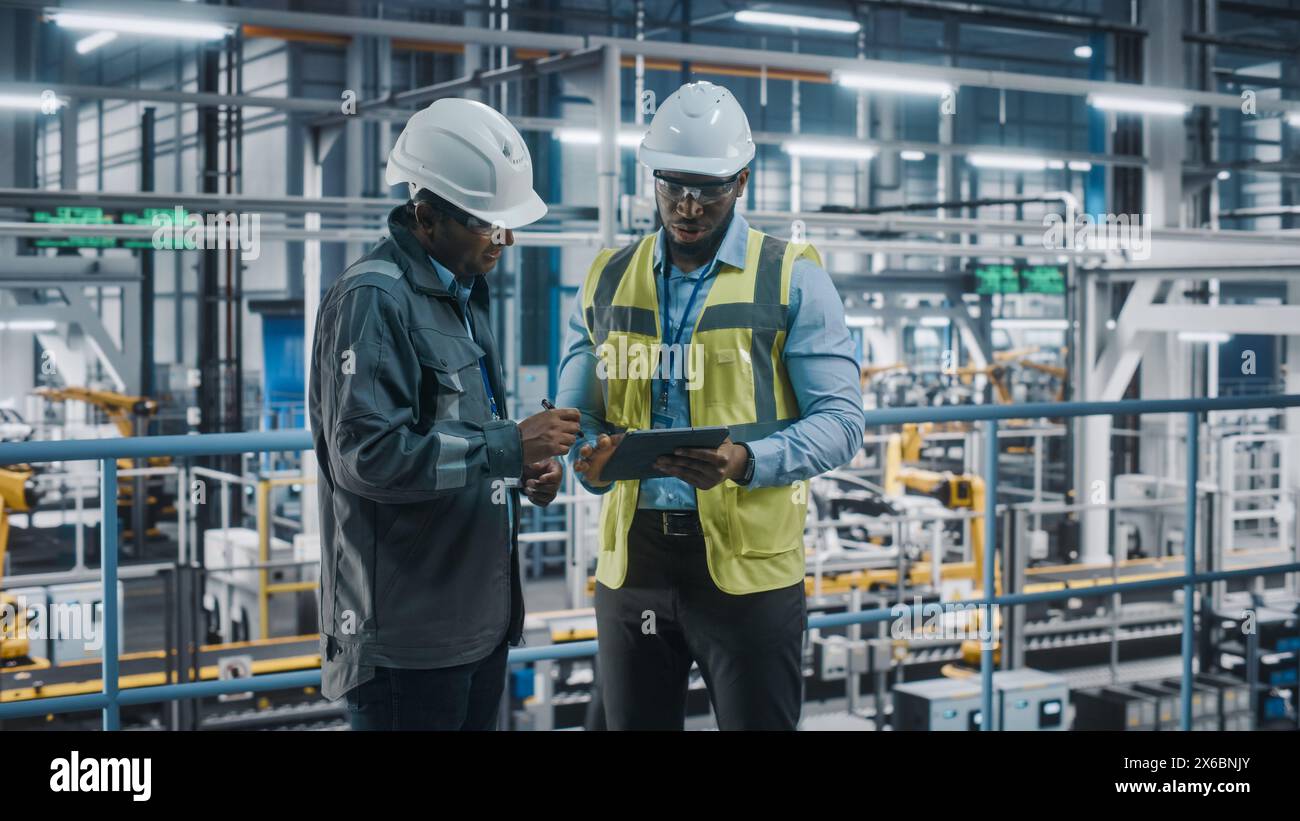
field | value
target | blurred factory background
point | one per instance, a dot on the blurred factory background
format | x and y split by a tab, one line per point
1045	202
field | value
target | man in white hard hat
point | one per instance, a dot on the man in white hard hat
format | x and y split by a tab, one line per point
419	461
706	564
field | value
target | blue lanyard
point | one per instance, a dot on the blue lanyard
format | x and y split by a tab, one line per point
482	367
487	386
671	384
686	312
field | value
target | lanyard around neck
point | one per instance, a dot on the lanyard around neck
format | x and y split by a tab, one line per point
686	312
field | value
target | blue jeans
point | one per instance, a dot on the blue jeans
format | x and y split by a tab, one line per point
466	697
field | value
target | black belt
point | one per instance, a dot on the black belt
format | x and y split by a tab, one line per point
673	522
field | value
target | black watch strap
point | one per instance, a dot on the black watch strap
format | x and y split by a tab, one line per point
749	465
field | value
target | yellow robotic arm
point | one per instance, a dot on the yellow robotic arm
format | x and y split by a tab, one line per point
17	494
126	412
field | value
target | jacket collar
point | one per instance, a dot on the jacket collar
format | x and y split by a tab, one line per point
413	256
731	252
419	266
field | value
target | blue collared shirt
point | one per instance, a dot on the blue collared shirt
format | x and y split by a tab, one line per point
461	292
819	358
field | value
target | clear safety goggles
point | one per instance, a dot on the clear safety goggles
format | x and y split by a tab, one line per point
473	224
705	193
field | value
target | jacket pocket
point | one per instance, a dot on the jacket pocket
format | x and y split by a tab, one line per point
451	386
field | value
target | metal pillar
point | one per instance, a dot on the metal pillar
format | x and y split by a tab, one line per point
311	272
1189	566
608	107
354	142
68	121
108	567
990	551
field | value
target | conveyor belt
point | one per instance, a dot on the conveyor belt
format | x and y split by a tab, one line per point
147	669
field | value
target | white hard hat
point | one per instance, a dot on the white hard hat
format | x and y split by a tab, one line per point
700	129
470	155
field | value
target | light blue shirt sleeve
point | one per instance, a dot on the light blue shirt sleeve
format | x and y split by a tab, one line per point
579	387
824	372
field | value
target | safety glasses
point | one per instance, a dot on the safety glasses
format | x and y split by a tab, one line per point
705	193
472	223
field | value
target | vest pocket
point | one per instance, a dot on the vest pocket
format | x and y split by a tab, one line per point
766	521
728	378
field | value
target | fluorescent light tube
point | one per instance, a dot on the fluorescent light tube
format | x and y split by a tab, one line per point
1138	105
797	21
828	151
590	136
901	85
1083	52
33	102
1203	336
862	321
1009	162
1032	324
911	155
35	325
141	25
88	44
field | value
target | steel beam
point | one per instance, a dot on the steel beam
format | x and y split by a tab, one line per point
684	52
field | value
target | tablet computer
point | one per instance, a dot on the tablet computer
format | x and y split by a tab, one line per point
635	456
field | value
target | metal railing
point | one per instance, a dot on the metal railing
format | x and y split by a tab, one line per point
108	451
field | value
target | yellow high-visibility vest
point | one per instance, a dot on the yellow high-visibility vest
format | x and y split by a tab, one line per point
754	537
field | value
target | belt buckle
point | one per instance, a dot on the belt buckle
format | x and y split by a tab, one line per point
666	517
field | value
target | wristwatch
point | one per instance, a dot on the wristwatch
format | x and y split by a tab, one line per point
749	465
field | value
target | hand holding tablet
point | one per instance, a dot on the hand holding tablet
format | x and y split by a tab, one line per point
635	455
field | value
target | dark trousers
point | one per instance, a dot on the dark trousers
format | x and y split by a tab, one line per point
669	613
466	697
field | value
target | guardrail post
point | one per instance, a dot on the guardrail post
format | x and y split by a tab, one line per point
1189	563
108	571
990	550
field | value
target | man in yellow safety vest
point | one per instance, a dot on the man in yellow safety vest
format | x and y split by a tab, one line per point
724	325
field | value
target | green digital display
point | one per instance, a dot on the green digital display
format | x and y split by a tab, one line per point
1043	279
86	215
146	217
1008	279
74	215
996	279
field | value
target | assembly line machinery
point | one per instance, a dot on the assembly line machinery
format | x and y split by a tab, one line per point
888	532
900	527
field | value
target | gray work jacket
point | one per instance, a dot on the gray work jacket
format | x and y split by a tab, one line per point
418	561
